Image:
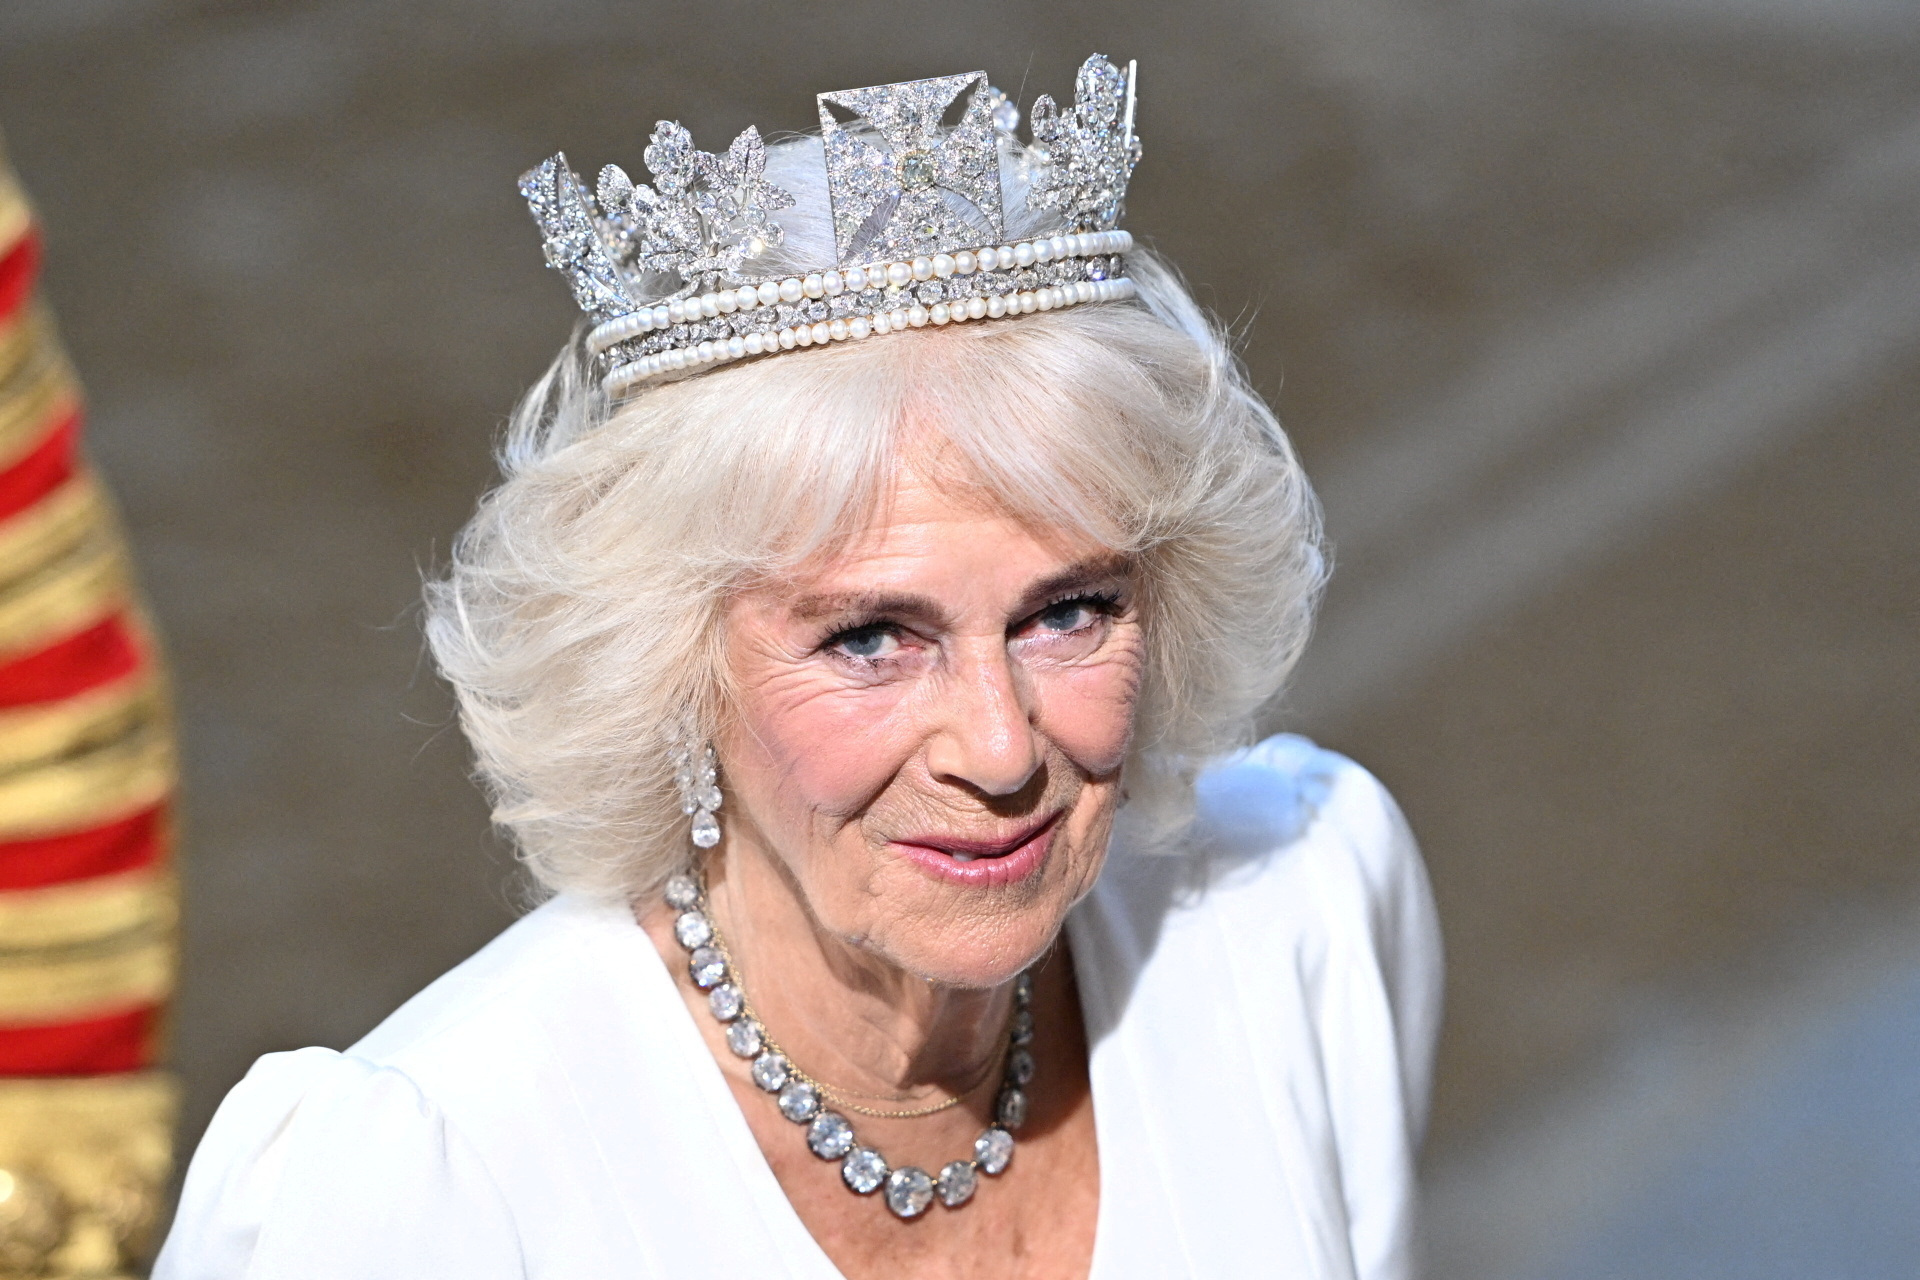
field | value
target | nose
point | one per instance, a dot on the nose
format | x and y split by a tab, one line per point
984	738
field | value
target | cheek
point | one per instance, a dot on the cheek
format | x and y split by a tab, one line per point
814	748
1088	710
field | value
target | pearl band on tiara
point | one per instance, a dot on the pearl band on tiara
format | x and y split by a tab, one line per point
669	270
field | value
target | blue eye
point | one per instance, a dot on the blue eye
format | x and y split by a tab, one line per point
1068	615
864	642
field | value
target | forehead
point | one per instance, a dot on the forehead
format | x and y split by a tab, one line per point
936	533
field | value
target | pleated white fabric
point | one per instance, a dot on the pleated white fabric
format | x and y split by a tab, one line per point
1261	1020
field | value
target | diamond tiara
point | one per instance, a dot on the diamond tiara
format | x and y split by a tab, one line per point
695	270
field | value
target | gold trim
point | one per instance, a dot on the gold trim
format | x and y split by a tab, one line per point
16	215
131	773
36	535
37	735
29	411
30	329
88	911
66	596
71	983
95	1153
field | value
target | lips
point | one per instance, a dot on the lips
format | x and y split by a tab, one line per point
981	863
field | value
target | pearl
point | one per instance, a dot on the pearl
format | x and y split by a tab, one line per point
1124	241
746	298
677	358
676	312
790	289
725	302
813	286
917	316
803	335
768	293
1043	299
752	344
709	306
859	327
880	324
736	347
661	317
833	282
1004	257
965	263
898	274
855	279
899	320
922	269
1059	246
704	353
943	265
996	306
822	334
837	330
939	314
1043	250
1023	255
976	308
1029	302
787	340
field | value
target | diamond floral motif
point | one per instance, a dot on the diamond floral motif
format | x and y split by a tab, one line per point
1090	148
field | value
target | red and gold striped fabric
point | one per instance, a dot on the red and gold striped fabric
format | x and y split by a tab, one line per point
88	903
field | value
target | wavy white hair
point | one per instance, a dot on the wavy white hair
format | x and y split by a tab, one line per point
580	622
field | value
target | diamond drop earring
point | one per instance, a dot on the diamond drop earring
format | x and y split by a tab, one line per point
696	771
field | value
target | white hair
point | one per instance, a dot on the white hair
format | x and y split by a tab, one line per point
580	622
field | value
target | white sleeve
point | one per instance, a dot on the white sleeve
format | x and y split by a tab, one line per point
329	1167
1379	1014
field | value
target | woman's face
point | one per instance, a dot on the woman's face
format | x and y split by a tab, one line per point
931	730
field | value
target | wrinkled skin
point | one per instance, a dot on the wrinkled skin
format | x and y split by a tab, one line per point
952	682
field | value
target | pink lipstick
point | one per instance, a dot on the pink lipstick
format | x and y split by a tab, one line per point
981	864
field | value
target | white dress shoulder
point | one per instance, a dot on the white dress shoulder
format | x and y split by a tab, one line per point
1260	1016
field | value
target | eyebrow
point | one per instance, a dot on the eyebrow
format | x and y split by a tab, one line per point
898	604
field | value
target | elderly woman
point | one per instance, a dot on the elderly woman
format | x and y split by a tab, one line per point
864	709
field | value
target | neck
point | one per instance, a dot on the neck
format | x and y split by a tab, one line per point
847	1016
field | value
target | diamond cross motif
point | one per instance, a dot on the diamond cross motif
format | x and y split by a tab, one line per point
902	184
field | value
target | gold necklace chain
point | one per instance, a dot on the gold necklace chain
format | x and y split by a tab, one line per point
841	1097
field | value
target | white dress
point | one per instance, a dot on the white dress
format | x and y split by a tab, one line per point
1260	1037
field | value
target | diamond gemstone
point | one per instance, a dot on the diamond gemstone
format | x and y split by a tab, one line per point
706	829
830	1136
744	1038
693	929
1022	1026
682	892
707	966
1020	1066
864	1170
1012	1111
799	1102
769	1069
992	1150
957	1183
909	1192
725	1001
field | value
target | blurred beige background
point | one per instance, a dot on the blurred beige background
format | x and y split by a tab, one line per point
1598	322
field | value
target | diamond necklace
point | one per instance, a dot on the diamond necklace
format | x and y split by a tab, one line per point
909	1190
